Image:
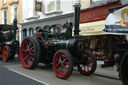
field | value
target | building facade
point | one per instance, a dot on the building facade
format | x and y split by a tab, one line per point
10	9
48	8
50	12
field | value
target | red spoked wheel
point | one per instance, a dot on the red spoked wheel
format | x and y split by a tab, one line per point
5	53
30	53
88	67
63	64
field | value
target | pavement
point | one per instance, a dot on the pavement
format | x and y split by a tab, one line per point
109	72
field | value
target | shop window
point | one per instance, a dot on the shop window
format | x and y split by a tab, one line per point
4	17
101	2
24	33
31	31
52	6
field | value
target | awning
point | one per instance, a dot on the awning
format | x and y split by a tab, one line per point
92	28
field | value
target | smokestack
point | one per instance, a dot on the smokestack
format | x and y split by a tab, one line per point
15	27
76	17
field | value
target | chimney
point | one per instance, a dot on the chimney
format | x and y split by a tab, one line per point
76	17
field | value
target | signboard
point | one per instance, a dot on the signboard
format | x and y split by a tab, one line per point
38	6
96	13
117	22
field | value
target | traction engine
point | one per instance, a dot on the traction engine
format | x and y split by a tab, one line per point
8	44
56	46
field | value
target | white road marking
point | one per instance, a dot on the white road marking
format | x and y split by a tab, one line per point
28	77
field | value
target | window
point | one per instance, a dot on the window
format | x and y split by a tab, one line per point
38	28
24	33
101	2
4	17
52	6
28	9
31	31
4	2
14	12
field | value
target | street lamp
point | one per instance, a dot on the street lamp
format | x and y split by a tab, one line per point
76	4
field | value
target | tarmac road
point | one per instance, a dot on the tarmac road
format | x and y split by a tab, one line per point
12	73
8	77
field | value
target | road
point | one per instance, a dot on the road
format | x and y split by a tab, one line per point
12	73
8	77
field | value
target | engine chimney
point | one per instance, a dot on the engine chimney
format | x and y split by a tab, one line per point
76	17
15	27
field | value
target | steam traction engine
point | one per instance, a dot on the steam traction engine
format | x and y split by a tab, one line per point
58	47
8	43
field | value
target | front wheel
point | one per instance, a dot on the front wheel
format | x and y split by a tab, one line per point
88	67
63	64
6	53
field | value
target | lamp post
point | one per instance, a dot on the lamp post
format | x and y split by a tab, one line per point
76	17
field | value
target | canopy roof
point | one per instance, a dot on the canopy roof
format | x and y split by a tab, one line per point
92	28
4	27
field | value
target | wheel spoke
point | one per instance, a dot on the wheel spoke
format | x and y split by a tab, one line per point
26	57
32	58
65	59
60	69
87	68
84	68
31	48
29	62
24	50
66	69
32	54
60	59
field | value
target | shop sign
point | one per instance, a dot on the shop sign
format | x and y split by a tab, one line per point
96	14
38	6
117	22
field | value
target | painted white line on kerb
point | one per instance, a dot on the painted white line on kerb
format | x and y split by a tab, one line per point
28	77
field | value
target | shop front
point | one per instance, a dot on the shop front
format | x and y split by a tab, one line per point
117	24
92	22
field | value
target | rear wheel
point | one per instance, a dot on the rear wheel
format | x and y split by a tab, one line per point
63	64
123	70
30	53
88	67
6	53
